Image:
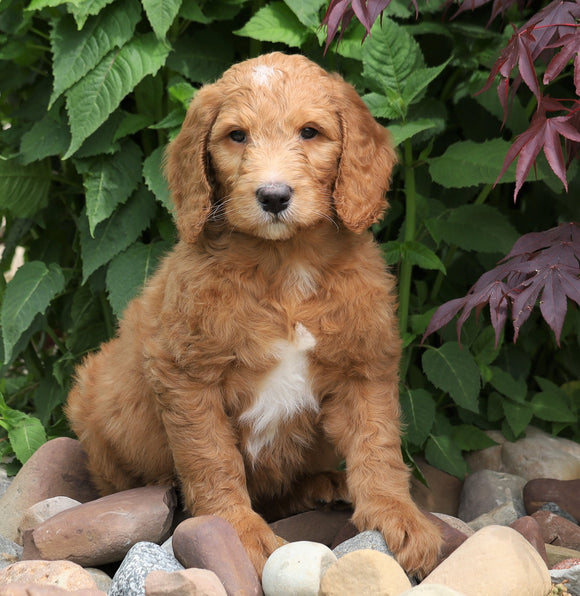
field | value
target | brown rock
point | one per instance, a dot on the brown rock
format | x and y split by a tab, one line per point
442	492
565	493
210	542
63	574
348	531
102	531
529	528
558	530
41	511
56	469
556	554
452	538
312	526
31	590
189	582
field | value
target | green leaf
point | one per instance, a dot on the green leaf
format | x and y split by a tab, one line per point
412	251
454	370
515	389
28	293
402	132
115	234
109	181
48	136
517	415
40	4
467	163
419	80
23	189
90	101
307	11
76	53
418	408
26	437
154	178
128	272
481	228
276	23
470	438
382	107
83	9
553	407
47	397
161	14
441	452
390	56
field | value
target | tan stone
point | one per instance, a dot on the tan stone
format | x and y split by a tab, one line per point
43	510
63	574
44	590
189	582
496	559
364	572
556	554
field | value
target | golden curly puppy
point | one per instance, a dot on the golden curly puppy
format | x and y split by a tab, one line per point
266	344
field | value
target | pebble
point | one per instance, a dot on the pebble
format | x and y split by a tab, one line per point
45	590
187	582
557	554
57	468
63	574
41	511
452	537
210	542
565	493
504	515
141	559
567	571
555	508
103	530
557	530
370	539
529	528
364	572
296	569
10	552
494	556
486	490
432	590
311	526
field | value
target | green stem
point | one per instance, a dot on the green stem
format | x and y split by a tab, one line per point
57	341
405	275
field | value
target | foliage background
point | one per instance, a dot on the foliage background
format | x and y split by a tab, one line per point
91	91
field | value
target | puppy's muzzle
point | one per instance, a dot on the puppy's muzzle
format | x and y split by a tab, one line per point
274	198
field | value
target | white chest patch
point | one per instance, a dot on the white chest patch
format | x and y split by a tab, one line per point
284	392
262	75
301	282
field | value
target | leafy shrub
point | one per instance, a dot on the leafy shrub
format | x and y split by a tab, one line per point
91	92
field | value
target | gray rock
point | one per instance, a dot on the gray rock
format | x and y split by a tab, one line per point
485	490
141	559
5	480
555	508
10	552
371	539
570	575
504	515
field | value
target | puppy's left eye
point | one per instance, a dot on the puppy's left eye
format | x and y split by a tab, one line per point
238	136
308	133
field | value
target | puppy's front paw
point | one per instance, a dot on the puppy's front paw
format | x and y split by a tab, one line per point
258	539
414	540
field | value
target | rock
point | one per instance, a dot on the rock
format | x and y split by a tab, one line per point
312	526
489	458
442	492
432	590
370	539
102	580
555	508
297	569
567	572
485	490
57	468
556	554
142	559
364	572
63	574
102	531
529	528
5	480
504	515
44	590
210	542
348	531
10	552
455	523
188	582
452	537
43	510
494	556
565	493
557	530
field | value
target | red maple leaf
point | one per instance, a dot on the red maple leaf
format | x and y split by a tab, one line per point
570	49
541	265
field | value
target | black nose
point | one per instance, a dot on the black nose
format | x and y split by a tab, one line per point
274	198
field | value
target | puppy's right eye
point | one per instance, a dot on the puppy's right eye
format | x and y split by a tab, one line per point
238	136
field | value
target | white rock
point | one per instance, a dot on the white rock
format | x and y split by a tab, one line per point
296	568
432	590
495	560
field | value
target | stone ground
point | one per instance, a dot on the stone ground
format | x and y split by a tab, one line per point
510	528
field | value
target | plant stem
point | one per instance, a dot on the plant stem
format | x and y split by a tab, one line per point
405	275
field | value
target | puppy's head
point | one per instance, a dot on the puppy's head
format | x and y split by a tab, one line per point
275	146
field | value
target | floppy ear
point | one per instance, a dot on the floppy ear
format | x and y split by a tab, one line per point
366	162
188	163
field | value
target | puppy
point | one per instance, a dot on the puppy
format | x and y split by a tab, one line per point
265	348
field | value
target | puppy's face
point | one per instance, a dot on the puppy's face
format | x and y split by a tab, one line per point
274	150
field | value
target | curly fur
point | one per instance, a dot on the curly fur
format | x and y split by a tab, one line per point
266	345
